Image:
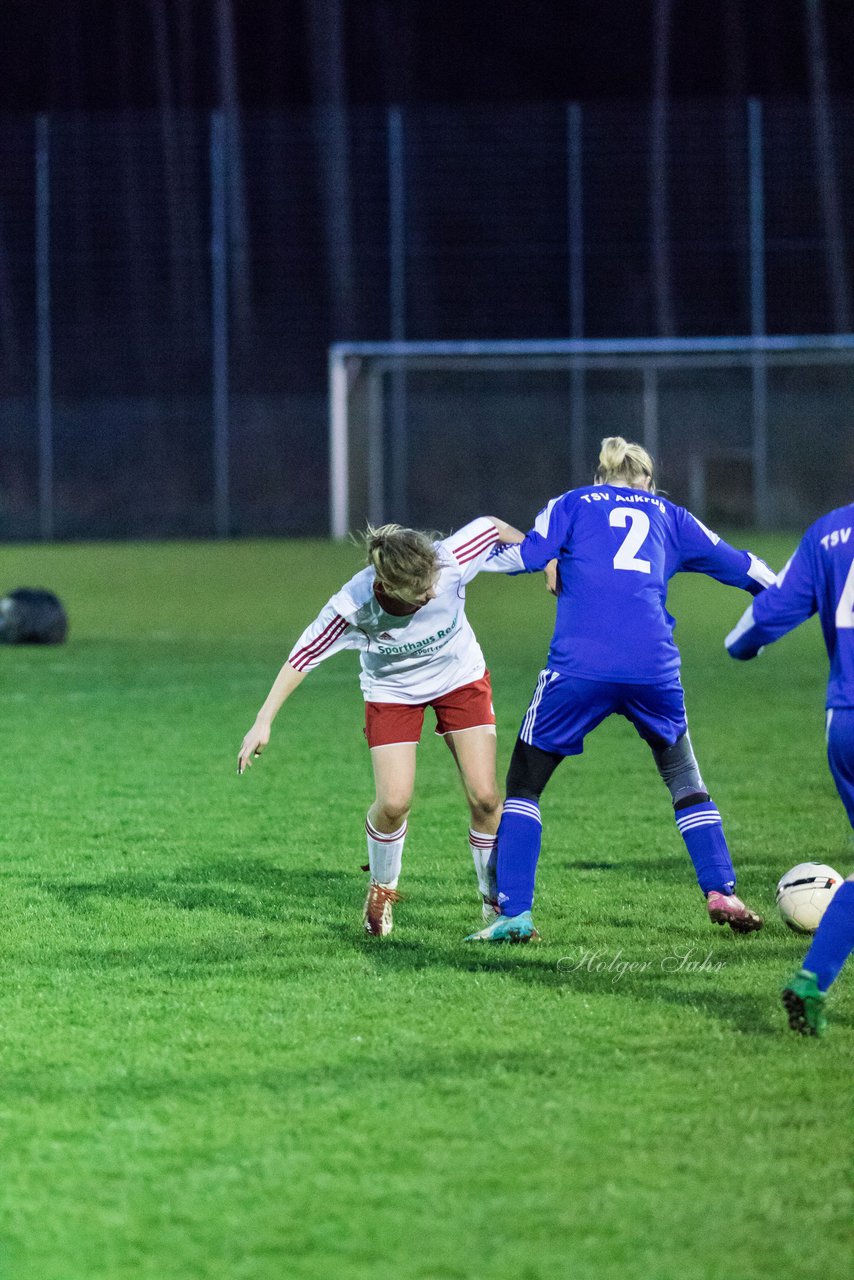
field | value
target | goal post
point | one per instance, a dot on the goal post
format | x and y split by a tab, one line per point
449	420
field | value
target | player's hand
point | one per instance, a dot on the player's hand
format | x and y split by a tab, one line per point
552	577
253	744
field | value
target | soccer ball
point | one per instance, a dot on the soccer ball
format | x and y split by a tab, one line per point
804	893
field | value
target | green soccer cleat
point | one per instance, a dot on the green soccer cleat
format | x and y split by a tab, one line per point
805	1004
507	929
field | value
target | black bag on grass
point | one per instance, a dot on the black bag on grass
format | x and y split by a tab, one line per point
31	615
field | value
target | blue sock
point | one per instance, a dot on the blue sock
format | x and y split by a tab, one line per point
519	837
701	828
834	938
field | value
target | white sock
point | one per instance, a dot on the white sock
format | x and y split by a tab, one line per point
385	853
482	846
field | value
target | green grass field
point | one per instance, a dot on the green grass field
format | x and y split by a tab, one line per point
209	1072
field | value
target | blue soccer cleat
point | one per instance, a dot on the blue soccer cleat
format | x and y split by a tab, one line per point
507	929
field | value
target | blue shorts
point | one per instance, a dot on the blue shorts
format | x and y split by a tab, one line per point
564	709
840	754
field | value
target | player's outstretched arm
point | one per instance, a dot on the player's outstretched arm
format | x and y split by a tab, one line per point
506	532
259	735
785	605
542	544
702	551
328	634
534	550
485	543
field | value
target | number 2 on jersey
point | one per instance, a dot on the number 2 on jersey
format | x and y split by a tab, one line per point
845	608
638	527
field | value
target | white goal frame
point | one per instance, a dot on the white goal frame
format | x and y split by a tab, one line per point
647	355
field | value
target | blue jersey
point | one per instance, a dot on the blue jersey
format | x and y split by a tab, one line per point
818	578
617	548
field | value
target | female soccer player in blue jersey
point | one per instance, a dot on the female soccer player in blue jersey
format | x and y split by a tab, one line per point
617	543
818	578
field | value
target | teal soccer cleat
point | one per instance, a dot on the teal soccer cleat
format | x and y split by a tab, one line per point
507	929
805	1004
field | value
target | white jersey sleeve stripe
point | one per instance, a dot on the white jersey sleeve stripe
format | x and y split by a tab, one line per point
743	625
714	538
541	524
760	571
490	530
473	555
470	547
469	550
308	660
334	625
781	576
310	653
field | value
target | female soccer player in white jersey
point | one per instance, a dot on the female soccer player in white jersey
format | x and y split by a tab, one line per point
819	578
405	614
616	543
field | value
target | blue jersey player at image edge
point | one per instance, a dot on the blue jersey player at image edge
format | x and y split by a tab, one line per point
615	545
819	578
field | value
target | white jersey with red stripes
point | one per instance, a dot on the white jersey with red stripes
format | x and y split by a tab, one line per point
408	659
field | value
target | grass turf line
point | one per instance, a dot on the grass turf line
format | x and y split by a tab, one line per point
208	1071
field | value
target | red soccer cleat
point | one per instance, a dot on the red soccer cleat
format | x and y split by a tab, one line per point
378	909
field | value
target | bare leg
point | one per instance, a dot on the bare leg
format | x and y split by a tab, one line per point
394	779
474	752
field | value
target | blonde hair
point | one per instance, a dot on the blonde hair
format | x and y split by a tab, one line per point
622	462
404	561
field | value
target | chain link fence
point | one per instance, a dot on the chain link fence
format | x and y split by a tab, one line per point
170	284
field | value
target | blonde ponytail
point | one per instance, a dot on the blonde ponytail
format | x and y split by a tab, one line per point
622	462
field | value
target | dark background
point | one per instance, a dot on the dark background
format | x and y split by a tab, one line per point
164	376
108	54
